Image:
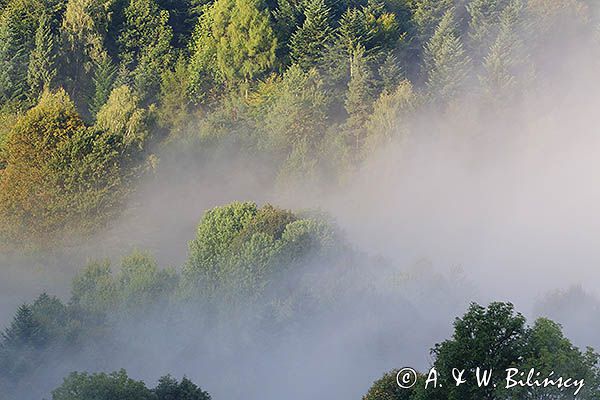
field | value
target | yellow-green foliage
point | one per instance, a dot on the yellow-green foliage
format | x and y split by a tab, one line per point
62	176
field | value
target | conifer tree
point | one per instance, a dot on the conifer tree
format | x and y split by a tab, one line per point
308	43
446	62
390	73
145	44
506	60
105	73
483	23
427	14
17	39
42	61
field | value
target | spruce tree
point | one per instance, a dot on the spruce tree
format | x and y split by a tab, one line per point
308	43
446	62
483	23
506	61
105	73
427	13
42	61
390	73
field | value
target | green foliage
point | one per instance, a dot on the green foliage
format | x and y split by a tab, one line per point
140	286
391	116
101	386
293	112
446	62
427	14
239	249
28	183
506	66
308	43
386	388
117	385
18	24
169	389
497	338
42	60
145	45
237	37
105	74
489	338
83	32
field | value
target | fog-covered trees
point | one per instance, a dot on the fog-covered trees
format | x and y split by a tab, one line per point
301	83
118	385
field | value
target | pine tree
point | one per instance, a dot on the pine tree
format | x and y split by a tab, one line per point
308	43
17	39
483	23
506	61
42	61
446	62
390	73
105	73
427	13
23	330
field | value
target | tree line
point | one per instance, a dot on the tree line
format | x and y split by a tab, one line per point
89	90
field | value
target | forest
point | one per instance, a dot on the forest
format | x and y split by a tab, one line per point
109	105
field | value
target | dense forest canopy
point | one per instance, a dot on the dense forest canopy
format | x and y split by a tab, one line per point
89	90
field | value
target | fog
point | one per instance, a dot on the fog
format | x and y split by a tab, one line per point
477	204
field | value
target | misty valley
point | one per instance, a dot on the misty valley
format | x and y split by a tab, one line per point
299	199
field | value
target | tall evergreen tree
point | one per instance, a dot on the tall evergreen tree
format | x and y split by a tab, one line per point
506	61
427	14
105	73
18	24
483	23
446	62
390	73
145	44
308	43
42	67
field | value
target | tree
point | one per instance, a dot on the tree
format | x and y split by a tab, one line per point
309	42
83	33
446	62
18	23
101	386
483	23
294	113
427	14
390	73
145	45
359	98
489	338
105	73
386	388
29	187
391	116
506	66
169	389
42	68
237	36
